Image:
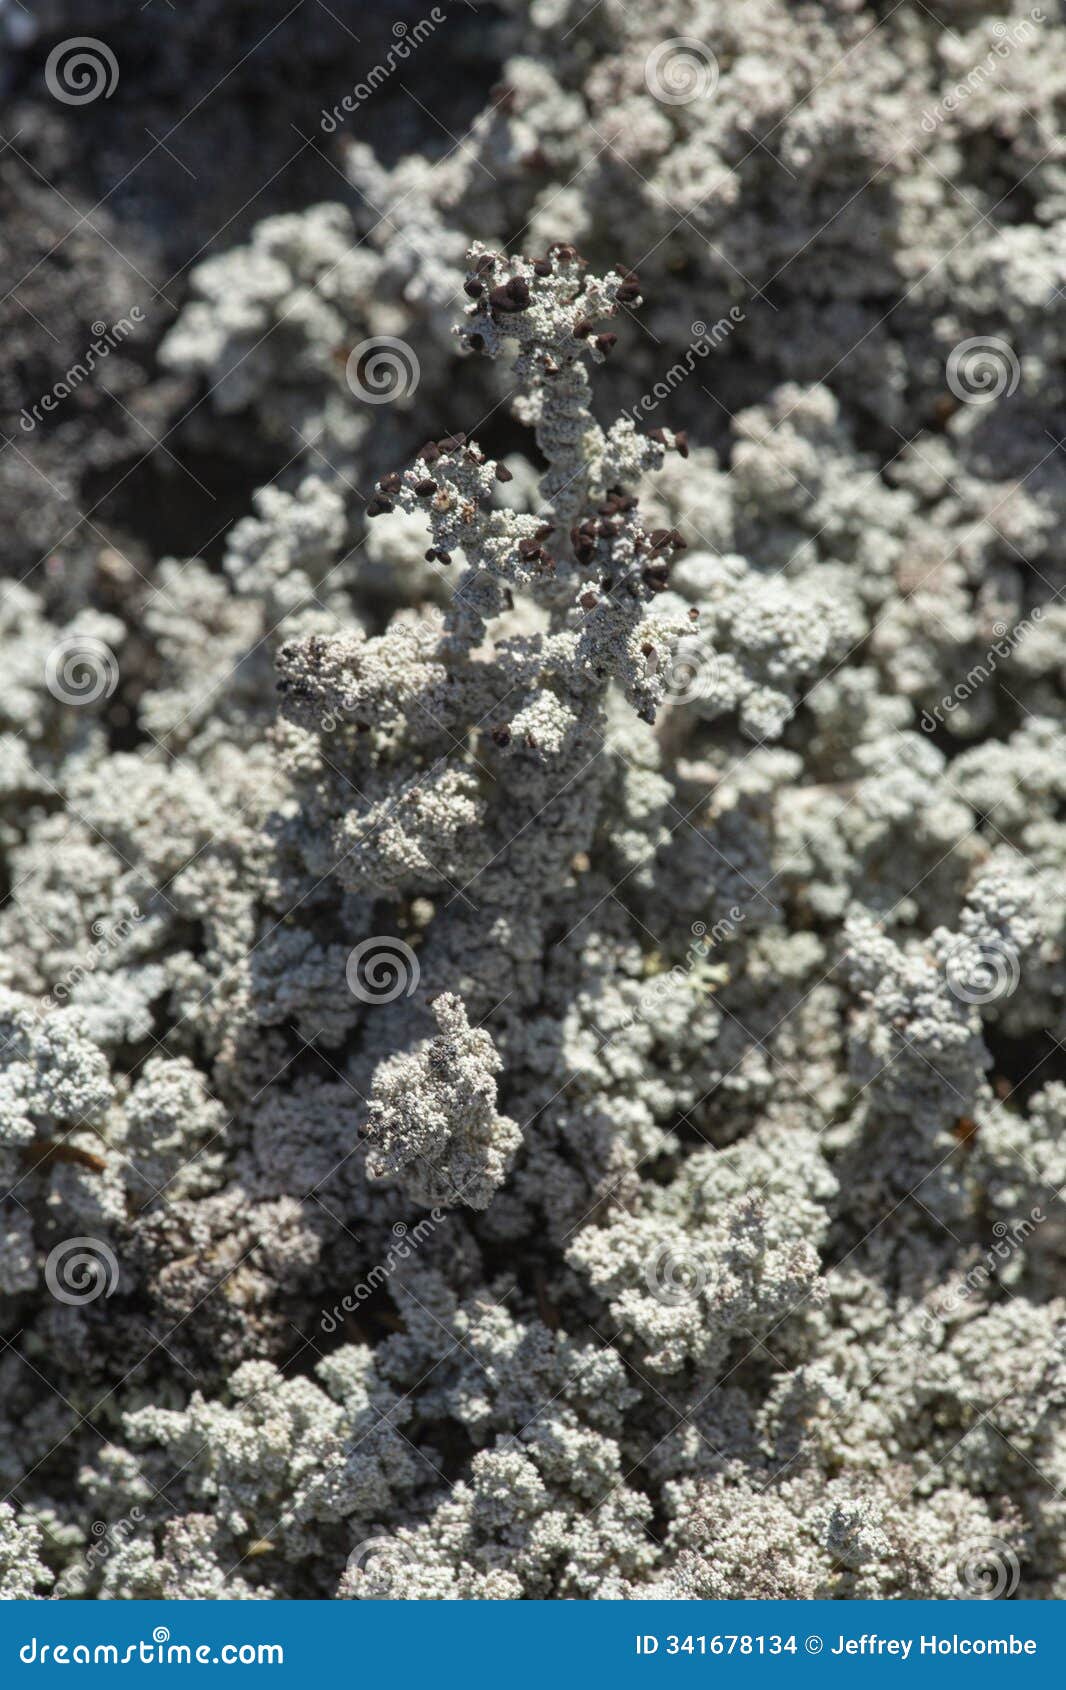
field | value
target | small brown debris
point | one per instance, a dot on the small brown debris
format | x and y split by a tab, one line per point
44	1151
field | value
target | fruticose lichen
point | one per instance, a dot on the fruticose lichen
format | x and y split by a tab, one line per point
532	984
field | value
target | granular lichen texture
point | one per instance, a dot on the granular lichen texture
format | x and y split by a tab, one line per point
533	814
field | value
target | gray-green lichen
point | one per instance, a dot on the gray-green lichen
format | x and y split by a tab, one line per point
531	1025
